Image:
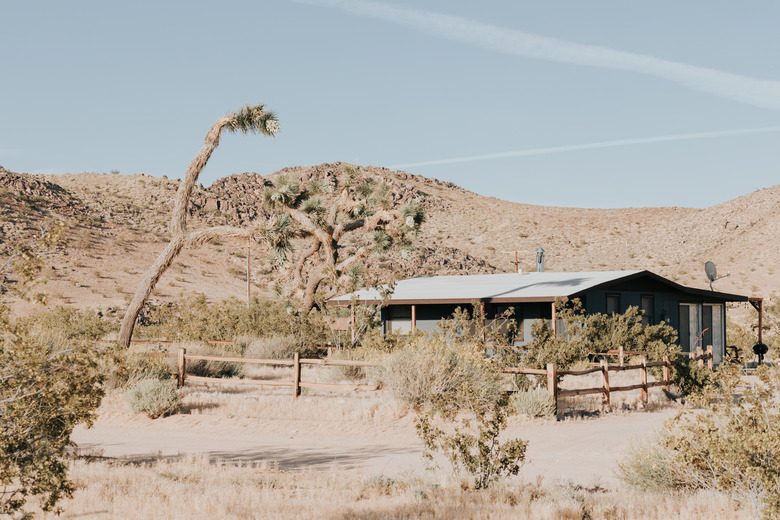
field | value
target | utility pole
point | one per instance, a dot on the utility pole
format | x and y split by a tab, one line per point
248	277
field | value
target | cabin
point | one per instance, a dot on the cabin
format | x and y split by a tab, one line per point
698	315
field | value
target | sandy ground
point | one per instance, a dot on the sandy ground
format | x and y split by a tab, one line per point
364	434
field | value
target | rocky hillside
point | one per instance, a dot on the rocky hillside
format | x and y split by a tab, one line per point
118	224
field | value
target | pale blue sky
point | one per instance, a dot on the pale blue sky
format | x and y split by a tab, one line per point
568	103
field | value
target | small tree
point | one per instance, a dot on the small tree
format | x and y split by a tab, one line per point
253	119
460	407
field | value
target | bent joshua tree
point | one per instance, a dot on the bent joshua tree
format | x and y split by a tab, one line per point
254	119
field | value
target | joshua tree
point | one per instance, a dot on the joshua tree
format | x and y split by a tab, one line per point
253	119
341	223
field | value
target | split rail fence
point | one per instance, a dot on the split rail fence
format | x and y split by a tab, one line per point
552	372
296	383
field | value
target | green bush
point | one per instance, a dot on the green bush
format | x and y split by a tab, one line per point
153	397
534	402
134	364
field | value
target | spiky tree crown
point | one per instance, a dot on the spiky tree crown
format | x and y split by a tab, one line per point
254	119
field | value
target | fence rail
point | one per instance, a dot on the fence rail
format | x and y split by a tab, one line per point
295	383
552	372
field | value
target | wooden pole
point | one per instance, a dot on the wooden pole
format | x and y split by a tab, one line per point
667	371
482	321
710	358
552	383
643	375
248	277
605	381
296	375
554	320
414	317
700	356
182	365
352	323
621	355
517	263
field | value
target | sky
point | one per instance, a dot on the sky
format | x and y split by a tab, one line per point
569	103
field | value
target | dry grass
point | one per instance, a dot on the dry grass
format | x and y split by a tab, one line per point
198	488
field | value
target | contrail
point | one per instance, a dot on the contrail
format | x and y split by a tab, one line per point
588	146
753	91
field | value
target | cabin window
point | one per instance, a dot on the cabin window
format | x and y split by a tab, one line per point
613	304
399	319
646	306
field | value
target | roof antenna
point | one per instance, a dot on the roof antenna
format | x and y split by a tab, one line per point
539	259
712	273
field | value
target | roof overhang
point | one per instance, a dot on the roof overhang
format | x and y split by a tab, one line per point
514	288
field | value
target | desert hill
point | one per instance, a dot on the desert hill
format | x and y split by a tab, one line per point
117	224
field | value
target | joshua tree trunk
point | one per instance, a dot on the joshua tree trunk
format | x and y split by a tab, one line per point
254	119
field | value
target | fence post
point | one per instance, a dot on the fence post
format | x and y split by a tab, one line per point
605	381
552	383
296	375
667	372
182	367
643	375
710	358
621	356
699	356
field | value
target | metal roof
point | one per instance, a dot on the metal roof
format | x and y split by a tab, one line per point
534	286
514	287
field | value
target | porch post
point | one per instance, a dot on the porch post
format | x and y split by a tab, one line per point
352	323
554	320
414	317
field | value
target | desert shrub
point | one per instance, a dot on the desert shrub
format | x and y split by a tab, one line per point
129	366
196	319
652	466
430	370
65	324
204	368
584	333
459	405
471	444
692	380
353	373
732	446
534	402
46	389
274	347
153	397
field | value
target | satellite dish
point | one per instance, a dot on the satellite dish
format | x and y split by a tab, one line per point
712	272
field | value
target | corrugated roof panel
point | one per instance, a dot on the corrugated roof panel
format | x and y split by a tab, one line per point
533	285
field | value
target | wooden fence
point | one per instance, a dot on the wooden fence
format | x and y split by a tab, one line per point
295	383
552	372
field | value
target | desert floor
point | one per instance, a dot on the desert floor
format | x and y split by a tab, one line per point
363	434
